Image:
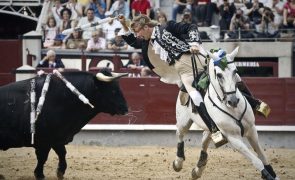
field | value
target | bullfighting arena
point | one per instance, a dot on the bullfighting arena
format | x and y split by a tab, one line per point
142	162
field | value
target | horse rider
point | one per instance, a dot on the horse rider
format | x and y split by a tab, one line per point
174	43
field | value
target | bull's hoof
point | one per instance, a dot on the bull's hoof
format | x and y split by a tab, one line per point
60	175
39	176
176	166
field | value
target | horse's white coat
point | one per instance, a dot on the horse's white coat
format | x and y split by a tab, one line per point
226	124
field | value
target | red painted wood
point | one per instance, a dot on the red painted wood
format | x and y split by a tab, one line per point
10	56
153	102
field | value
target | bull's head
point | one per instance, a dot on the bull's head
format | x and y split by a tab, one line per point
109	95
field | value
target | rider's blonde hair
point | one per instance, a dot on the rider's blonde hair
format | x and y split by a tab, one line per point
142	20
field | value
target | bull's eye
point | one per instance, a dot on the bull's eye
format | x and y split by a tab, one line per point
219	76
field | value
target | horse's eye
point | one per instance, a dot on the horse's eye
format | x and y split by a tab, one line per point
235	71
219	76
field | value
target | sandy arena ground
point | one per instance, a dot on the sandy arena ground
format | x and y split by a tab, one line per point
134	163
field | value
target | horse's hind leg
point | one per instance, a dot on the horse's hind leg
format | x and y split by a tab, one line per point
182	129
201	165
253	140
238	144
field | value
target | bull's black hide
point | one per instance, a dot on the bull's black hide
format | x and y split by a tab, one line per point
62	116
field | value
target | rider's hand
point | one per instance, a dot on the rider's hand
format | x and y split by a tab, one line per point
194	49
122	19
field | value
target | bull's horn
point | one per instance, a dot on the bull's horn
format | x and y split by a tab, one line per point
102	77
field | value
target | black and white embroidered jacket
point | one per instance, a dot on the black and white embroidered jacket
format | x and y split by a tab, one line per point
174	38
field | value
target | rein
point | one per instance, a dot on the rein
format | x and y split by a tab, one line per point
238	121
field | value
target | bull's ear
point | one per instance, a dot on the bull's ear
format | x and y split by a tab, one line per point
213	56
233	54
102	77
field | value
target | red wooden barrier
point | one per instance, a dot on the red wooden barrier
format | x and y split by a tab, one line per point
153	102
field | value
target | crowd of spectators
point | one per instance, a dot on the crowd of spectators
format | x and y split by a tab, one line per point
237	19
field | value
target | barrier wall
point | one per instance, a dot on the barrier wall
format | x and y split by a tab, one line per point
153	102
10	59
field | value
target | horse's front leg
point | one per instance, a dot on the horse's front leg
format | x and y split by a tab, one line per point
42	155
201	165
61	151
253	140
182	129
239	145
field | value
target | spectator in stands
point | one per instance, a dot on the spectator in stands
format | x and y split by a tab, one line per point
278	8
136	63
161	17
99	8
117	43
76	9
109	4
75	41
187	16
84	4
289	15
239	26
56	9
50	61
51	31
97	42
66	19
267	27
227	10
121	6
179	6
255	13
203	12
90	18
140	7
109	28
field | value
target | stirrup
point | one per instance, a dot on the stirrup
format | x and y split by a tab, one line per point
218	139
263	109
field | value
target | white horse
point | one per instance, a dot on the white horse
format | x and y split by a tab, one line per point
232	114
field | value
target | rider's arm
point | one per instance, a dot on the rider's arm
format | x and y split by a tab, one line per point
187	31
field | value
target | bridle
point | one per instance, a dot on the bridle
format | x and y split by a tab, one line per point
225	94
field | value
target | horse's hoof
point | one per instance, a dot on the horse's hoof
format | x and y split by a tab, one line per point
195	174
60	175
175	167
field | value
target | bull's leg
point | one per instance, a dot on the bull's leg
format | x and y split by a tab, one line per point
61	151
201	165
238	144
253	140
42	155
182	129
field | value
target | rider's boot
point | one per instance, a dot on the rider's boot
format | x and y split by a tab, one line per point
217	136
259	106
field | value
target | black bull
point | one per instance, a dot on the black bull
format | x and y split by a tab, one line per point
63	114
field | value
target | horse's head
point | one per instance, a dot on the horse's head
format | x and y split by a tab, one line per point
223	75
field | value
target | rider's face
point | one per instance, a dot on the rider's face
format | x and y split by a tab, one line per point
142	32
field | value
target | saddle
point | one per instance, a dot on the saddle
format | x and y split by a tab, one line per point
201	83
